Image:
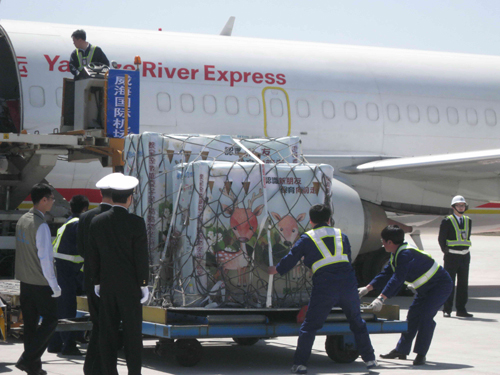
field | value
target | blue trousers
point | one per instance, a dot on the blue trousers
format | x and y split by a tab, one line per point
329	291
70	279
422	311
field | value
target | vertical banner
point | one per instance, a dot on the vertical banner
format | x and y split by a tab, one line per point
118	89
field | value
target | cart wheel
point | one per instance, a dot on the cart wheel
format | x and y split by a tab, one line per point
188	352
339	352
246	341
164	347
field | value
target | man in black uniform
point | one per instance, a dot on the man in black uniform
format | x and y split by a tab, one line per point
454	239
119	266
84	54
92	365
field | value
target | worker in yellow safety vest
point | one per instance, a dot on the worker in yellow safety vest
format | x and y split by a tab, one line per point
84	54
69	276
454	240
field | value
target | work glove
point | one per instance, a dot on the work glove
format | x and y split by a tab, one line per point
413	290
97	290
376	305
145	294
363	291
57	291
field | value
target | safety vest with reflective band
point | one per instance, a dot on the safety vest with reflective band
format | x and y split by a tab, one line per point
317	235
57	242
461	235
417	283
82	58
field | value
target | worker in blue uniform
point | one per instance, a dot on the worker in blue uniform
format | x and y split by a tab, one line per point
69	276
326	250
420	272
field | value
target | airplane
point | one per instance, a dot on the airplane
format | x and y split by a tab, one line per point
405	130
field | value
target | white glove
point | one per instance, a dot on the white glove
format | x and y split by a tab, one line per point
57	292
376	305
97	290
145	293
363	291
413	290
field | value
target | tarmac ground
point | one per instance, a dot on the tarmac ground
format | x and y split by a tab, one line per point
465	346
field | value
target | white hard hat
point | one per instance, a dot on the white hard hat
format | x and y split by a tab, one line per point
117	181
458	199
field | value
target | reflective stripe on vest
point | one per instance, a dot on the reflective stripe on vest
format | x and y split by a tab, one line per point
57	242
89	60
459	233
422	279
317	236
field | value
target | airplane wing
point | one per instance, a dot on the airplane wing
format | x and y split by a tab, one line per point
467	165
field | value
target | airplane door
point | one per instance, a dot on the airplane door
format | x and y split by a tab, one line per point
277	121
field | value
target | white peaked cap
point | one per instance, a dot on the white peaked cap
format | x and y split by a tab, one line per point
117	181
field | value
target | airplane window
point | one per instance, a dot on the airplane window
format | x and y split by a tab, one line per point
433	114
351	112
328	109
253	106
372	111
413	113
471	116
163	102
37	96
302	108
276	107
232	105
209	104
452	115
491	117
393	112
187	103
59	96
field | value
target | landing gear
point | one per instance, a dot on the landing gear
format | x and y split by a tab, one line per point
339	351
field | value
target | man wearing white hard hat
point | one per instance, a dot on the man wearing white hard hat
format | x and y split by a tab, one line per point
454	239
119	266
92	365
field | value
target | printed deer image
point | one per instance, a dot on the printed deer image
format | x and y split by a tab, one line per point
288	228
244	224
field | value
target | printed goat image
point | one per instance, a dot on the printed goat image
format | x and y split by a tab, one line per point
244	224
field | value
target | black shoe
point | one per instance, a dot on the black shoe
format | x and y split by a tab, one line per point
74	351
393	354
464	314
419	360
54	350
446	314
23	366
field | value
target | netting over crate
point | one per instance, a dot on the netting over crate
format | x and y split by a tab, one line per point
219	210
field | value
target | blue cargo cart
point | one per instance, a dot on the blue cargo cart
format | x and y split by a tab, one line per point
184	327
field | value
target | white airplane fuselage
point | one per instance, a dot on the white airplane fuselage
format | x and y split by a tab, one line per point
345	102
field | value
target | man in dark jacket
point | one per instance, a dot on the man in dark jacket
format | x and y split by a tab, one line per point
119	265
69	276
84	54
432	283
454	240
326	250
92	365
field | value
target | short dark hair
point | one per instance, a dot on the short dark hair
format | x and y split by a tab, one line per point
79	34
320	213
78	204
393	233
40	191
106	193
121	196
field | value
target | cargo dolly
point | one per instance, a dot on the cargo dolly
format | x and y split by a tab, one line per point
183	327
